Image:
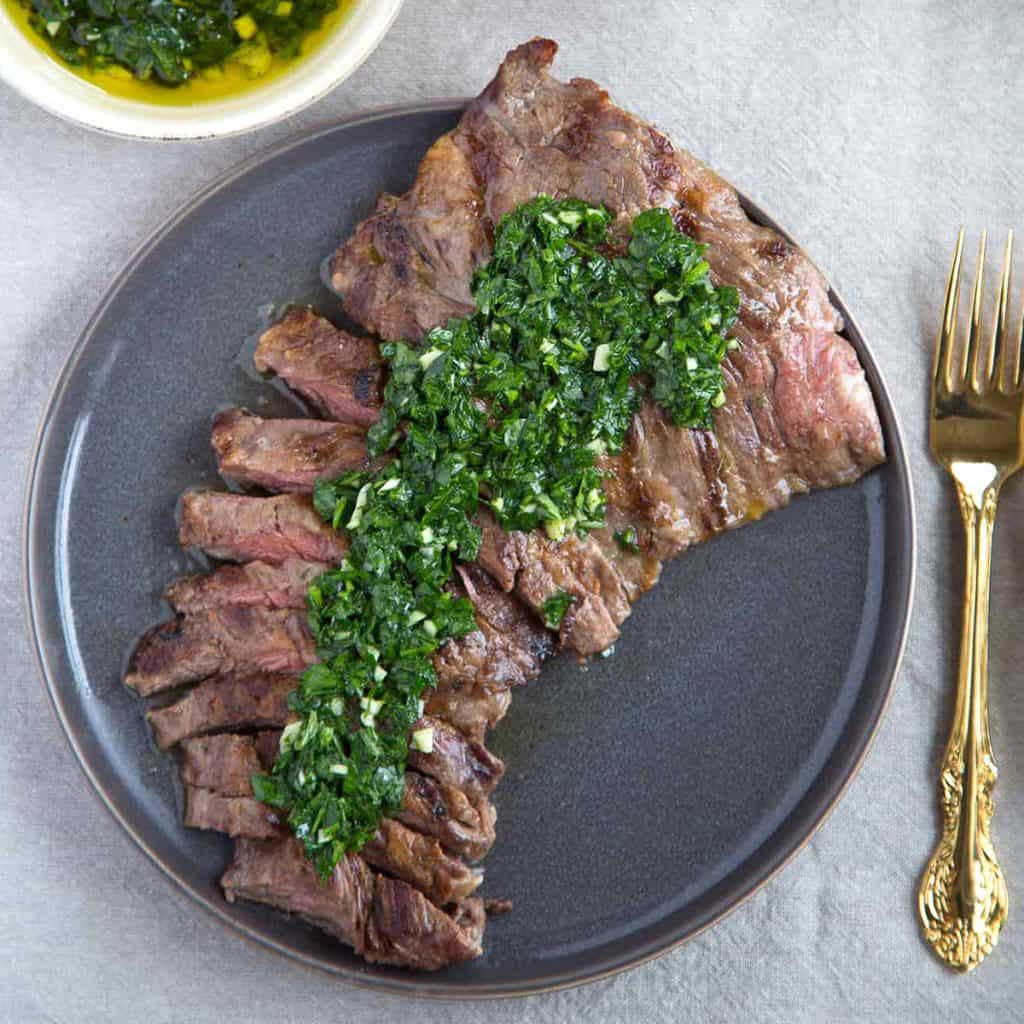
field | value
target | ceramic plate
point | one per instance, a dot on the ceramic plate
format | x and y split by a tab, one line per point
646	795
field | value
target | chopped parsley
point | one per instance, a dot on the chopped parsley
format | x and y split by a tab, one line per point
509	407
555	608
627	539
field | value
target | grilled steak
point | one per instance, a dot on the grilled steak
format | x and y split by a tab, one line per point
474	672
234	638
457	761
437	809
420	861
255	583
239	528
340	374
222	766
284	455
237	816
798	413
224	763
404	269
382	919
245	701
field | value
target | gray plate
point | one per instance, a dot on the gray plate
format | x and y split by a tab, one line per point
646	795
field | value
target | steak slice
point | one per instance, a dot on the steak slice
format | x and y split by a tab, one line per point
237	816
284	455
460	825
476	672
278	873
404	269
798	411
420	860
233	638
405	928
340	374
240	701
457	761
255	583
384	920
225	763
239	528
471	709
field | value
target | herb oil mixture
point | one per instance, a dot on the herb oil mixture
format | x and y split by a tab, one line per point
172	42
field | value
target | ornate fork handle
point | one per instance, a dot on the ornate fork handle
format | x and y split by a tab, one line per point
963	899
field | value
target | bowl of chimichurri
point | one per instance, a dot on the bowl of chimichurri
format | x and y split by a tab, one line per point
184	69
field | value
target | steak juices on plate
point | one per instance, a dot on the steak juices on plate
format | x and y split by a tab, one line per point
798	414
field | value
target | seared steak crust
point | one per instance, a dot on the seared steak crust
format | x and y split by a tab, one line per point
420	860
457	761
340	374
240	701
461	825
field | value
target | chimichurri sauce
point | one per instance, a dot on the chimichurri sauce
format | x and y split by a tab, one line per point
171	42
509	407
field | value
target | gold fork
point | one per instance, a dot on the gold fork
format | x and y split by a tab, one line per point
976	420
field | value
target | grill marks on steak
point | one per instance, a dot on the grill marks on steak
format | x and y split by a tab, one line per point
383	919
798	414
435	808
420	860
456	761
475	673
233	638
340	374
284	455
239	528
243	701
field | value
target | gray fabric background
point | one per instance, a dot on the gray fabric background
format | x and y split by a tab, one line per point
871	130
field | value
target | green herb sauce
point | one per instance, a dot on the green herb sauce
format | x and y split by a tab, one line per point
508	407
171	42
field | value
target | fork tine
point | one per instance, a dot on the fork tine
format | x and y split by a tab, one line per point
947	330
1002	375
1018	366
972	350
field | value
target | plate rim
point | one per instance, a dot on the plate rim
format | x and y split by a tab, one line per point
411	984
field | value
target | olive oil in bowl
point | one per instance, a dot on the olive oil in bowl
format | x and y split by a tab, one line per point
177	52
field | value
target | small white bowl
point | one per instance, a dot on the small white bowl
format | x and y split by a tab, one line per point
43	80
